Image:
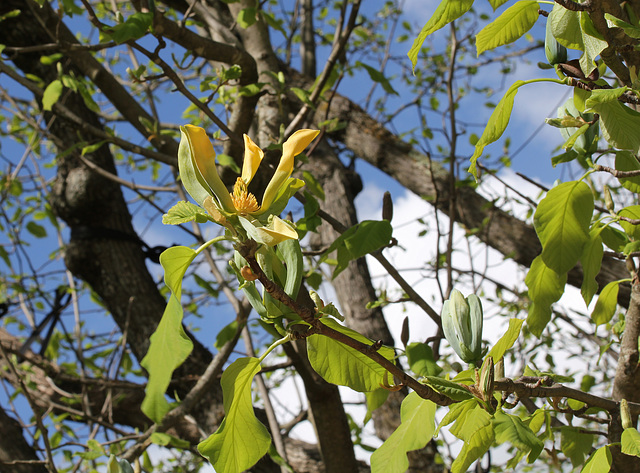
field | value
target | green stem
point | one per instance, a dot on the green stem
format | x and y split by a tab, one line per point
277	343
207	244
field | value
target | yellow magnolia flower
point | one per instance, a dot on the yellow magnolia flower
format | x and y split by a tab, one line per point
196	161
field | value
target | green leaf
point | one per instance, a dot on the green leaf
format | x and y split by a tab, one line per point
169	344
575	444
591	261
593	42
510	428
447	11
626	161
313	185
615	239
545	287
359	240
605	308
631	441
136	26
226	160
421	361
183	212
375	399
449	388
479	433
599	96
496	125
36	229
241	440
247	17
290	254
507	340
562	224
376	76
632	212
51	95
619	125
629	29
343	365
459	410
565	26
225	334
415	431
600	461
509	26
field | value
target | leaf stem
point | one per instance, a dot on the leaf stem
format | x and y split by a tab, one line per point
275	344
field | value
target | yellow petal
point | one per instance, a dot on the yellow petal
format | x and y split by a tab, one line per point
204	156
276	232
252	158
290	149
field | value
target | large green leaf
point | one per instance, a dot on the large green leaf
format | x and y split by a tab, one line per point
545	287
415	431
169	344
496	125
575	444
507	340
447	11
510	428
565	26
600	461
480	434
632	212
605	308
511	25
449	388
591	261
631	441
343	365
619	125
626	161
241	440
562	223
593	42
359	240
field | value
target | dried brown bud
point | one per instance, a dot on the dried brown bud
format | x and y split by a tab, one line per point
387	206
248	274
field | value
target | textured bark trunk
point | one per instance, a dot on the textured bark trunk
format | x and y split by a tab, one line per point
16	455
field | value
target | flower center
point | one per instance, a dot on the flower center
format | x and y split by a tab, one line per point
243	200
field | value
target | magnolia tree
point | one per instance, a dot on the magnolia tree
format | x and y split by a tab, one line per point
213	119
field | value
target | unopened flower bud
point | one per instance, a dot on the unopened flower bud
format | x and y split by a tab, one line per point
608	199
387	206
486	379
462	325
625	414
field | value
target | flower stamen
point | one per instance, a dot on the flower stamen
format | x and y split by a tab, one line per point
244	202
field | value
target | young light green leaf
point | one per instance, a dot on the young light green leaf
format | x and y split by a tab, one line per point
457	411
626	161
575	444
562	224
565	26
169	344
507	340
593	42
421	361
374	400
591	261
376	76
605	308
51	94
545	287
481	437
496	125
290	254
629	29
359	240
508	27
631	441
510	428
600	461
241	440
447	11
343	365
415	431
632	212
136	26
449	388
183	212
619	125
599	96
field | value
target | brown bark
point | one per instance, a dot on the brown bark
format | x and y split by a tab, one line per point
16	455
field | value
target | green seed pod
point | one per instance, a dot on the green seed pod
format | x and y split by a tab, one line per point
625	414
462	325
555	52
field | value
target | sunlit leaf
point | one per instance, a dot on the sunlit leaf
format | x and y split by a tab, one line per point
545	287
606	305
415	431
241	440
51	94
509	26
479	435
507	340
510	428
575	444
591	261
631	441
183	212
562	224
600	461
619	125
